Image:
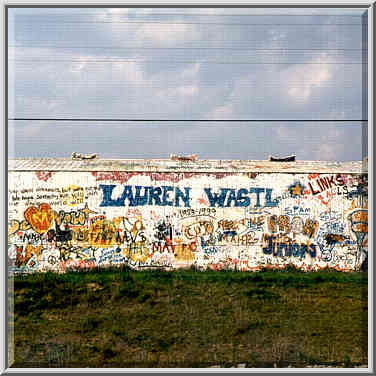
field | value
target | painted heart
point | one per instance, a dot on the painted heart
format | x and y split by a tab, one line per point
40	218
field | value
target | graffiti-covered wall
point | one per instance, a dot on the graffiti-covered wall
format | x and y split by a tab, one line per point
247	221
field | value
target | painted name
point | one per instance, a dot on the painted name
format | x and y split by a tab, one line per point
141	195
174	196
228	197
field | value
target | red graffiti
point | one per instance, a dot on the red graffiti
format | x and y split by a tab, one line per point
202	201
117	176
322	200
313	176
122	177
43	175
79	264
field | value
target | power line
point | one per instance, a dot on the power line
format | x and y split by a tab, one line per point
230	42
193	48
173	62
196	23
187	120
197	14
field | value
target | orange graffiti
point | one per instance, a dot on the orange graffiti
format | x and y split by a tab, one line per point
37	251
23	256
360	219
358	226
133	213
40	218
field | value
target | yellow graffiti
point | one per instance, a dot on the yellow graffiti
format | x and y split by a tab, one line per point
14	226
102	234
73	195
78	217
117	221
201	228
137	251
137	227
80	234
184	252
297	190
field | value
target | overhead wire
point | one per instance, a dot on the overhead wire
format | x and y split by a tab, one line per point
185	120
196	23
175	62
192	48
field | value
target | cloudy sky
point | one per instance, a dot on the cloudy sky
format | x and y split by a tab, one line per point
206	64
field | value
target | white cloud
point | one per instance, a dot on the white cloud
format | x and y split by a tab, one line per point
284	133
277	36
189	83
221	112
188	90
179	91
332	144
191	72
112	15
77	67
166	33
131	71
38	104
301	80
326	152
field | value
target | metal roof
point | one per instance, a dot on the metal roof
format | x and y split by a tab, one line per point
167	165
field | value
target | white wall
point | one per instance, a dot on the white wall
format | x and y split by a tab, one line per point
217	220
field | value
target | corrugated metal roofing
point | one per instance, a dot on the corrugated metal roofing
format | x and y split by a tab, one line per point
167	165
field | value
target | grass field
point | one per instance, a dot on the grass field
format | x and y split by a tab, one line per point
187	318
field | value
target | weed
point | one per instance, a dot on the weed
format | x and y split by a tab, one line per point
254	357
262	294
258	278
347	361
163	345
88	324
176	300
250	326
117	329
199	318
124	276
128	290
308	359
143	297
108	352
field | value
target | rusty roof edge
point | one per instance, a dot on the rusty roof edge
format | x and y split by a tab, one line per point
201	166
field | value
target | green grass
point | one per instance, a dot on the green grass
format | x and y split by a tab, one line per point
187	318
